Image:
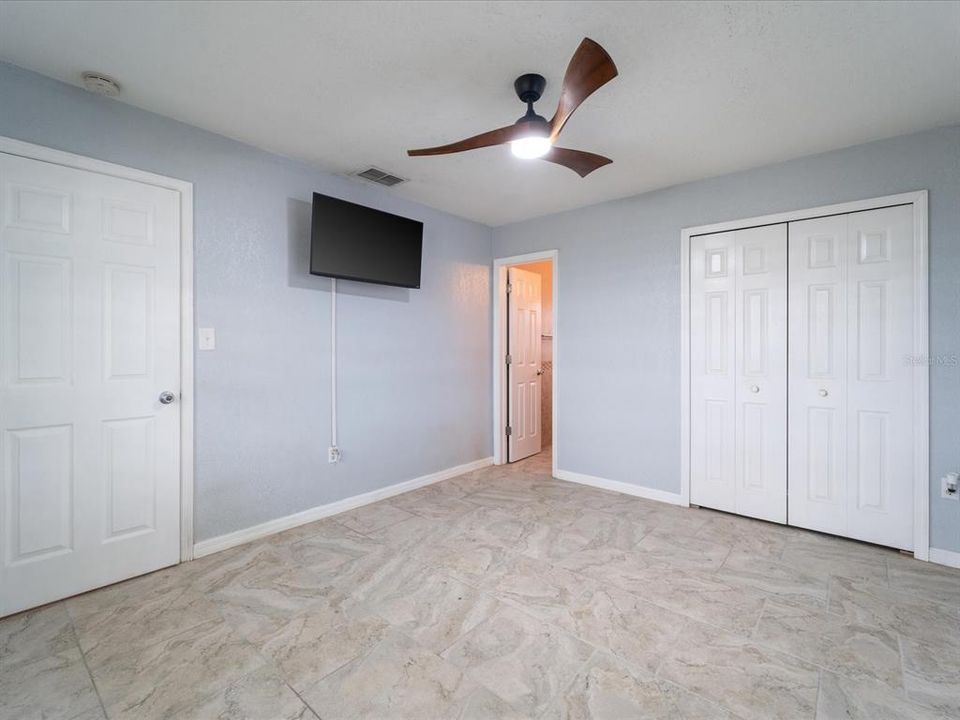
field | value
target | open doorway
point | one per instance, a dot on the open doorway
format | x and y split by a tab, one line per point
524	357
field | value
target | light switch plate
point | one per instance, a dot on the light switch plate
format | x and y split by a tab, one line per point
206	339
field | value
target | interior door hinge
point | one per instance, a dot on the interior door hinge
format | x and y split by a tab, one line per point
509	431
509	288
509	359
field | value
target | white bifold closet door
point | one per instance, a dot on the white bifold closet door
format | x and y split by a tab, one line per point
738	368
851	383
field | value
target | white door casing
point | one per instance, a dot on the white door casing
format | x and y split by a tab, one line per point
524	370
851	376
90	307
738	371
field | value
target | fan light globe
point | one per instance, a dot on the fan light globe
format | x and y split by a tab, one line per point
529	148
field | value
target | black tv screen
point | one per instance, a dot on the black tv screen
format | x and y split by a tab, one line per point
354	242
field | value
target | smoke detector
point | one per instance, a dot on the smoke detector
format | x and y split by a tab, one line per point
101	84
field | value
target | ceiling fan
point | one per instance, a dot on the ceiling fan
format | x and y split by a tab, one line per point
533	136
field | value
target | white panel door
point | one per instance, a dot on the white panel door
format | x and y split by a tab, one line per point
89	337
524	370
818	367
761	341
738	371
851	391
713	377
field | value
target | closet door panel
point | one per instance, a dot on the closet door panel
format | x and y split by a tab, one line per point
880	376
817	372
738	372
850	380
761	386
712	368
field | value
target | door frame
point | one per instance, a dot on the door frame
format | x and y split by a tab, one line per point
500	411
10	146
921	344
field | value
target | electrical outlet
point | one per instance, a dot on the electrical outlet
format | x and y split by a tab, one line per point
333	455
948	486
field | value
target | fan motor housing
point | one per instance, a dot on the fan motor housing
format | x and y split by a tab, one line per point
529	87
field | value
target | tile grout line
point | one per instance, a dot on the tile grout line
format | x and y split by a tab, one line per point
302	699
820	667
658	678
903	668
756	625
701	696
816	701
83	658
356	659
906	693
824	668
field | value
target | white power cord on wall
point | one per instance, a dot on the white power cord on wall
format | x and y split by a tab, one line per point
333	452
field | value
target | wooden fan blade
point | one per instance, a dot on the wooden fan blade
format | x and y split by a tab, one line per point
582	163
494	137
590	69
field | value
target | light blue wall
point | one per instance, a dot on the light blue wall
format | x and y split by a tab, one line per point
618	329
414	369
406	409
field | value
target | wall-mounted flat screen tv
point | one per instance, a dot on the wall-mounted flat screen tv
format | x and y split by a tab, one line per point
354	242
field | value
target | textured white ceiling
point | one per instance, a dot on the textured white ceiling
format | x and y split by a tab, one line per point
704	88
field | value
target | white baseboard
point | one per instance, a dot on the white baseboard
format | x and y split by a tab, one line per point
945	557
271	527
622	487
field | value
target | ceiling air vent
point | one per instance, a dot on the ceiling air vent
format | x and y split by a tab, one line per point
381	177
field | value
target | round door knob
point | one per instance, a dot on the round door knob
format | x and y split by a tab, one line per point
823	392
754	388
167	397
539	372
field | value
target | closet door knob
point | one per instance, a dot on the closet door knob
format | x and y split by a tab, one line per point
754	388
823	392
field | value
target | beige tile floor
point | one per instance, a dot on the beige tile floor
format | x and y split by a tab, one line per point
504	594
